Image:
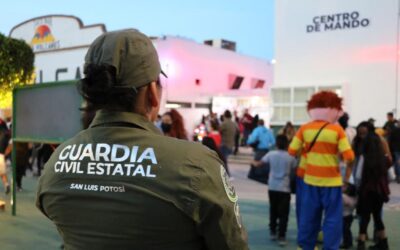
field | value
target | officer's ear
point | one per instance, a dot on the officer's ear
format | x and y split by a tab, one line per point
154	95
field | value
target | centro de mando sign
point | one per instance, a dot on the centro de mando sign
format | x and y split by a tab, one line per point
339	21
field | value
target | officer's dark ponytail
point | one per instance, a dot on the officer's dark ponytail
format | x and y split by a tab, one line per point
99	88
97	85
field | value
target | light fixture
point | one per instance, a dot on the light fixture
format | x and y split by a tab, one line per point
172	105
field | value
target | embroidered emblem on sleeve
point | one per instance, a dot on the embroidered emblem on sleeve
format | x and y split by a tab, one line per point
237	215
229	189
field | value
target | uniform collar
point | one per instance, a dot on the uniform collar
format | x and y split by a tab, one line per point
104	117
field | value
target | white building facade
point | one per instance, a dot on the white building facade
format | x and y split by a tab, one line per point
199	75
351	47
59	43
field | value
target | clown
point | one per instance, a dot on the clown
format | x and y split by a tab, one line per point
320	142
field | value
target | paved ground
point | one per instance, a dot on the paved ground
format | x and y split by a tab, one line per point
31	230
251	190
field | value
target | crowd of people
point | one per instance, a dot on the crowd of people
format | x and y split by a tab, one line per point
223	134
368	155
376	151
144	176
29	156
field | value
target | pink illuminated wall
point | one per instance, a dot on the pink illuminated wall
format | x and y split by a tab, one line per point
198	72
184	61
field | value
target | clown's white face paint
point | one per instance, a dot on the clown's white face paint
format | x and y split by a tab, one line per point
325	114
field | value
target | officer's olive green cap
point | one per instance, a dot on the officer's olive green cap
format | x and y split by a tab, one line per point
131	53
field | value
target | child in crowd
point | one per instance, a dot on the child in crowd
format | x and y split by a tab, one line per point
349	204
282	167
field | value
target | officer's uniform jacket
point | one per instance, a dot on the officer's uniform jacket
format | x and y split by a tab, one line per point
121	184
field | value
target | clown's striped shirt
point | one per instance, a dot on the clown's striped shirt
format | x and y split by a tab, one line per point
320	166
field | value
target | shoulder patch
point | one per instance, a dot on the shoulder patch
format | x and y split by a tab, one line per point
237	215
229	189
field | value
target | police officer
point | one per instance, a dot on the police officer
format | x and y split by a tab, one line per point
121	184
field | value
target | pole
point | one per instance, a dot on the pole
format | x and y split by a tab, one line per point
14	159
14	178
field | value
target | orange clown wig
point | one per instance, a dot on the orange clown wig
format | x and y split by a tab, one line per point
326	106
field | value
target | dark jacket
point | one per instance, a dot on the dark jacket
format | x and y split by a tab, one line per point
4	136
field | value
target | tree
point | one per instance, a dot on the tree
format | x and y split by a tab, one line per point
16	65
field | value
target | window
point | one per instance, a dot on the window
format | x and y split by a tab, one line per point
301	95
300	114
281	95
281	105
281	114
202	105
290	103
235	81
257	83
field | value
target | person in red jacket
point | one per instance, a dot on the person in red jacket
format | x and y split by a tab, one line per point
247	121
215	134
